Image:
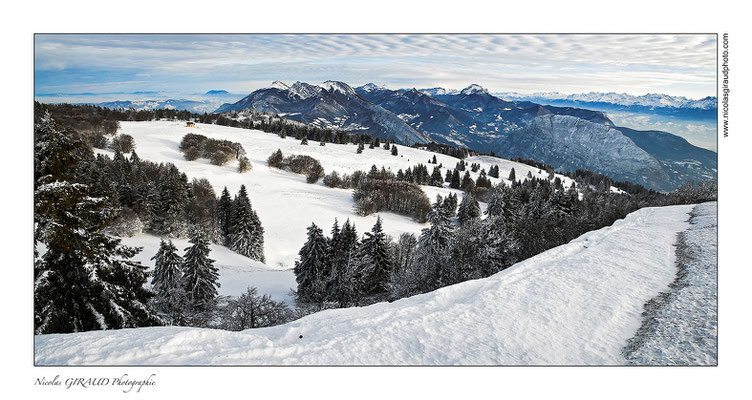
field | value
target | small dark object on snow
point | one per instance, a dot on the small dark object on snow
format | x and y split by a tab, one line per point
300	337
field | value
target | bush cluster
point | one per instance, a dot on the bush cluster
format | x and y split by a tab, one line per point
299	164
374	195
219	152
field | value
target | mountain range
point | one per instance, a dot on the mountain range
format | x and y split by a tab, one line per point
565	137
651	103
333	105
646	100
206	102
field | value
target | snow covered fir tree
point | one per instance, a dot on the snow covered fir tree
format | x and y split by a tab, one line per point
245	231
200	276
170	298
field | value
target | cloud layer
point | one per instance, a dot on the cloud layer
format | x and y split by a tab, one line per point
635	64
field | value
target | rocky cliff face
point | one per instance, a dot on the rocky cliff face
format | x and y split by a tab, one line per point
681	160
569	142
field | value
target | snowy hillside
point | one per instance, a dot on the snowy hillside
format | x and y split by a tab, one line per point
577	304
236	272
285	203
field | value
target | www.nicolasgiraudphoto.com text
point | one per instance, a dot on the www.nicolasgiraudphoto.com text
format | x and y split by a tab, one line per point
725	82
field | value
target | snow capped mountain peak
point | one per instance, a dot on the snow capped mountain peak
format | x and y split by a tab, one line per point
438	91
304	90
279	85
370	87
337	86
473	89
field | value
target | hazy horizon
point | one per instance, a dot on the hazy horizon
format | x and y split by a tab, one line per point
185	65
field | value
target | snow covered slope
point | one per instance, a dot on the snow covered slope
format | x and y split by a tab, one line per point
578	304
236	272
285	203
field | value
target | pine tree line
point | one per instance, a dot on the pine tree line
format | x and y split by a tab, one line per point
159	199
342	269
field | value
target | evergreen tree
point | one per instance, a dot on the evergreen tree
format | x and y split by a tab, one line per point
403	253
512	176
167	268
146	201
224	213
169	218
376	248
455	182
494	171
360	148
432	255
450	205
436	179
466	179
482	180
344	272
169	294
309	270
500	247
85	280
469	209
335	254
246	233
394	150
201	277
304	142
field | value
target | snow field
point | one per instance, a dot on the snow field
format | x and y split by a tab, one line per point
576	304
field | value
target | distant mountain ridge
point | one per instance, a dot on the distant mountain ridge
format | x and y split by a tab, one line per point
646	100
202	103
198	106
566	137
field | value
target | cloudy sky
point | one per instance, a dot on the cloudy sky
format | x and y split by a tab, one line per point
149	66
